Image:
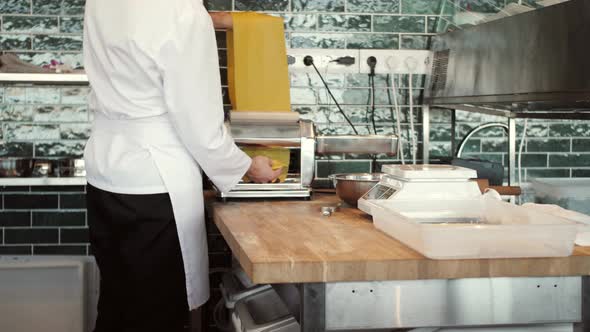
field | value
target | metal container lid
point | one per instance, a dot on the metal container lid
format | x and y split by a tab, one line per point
429	172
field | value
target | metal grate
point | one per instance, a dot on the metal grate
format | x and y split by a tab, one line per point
439	70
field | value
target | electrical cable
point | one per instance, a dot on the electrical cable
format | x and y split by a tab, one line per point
398	114
308	61
218	319
373	107
328	107
368	109
520	148
389	100
372	112
411	65
412	129
219	308
372	62
328	100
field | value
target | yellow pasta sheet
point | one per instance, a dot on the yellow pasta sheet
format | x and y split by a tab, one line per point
258	74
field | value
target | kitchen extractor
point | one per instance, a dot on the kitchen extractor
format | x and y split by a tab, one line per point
529	65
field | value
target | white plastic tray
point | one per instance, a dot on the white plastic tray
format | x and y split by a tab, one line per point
471	229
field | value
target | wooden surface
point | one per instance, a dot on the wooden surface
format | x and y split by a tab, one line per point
291	242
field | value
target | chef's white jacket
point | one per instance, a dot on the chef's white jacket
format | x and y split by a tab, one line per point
156	95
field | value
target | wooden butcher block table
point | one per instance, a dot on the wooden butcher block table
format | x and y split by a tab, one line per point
291	242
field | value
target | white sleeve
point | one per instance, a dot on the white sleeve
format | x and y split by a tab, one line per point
192	87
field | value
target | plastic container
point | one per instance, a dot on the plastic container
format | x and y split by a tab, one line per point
583	220
470	229
569	193
517	328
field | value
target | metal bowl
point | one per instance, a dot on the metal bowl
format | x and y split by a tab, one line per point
16	167
351	187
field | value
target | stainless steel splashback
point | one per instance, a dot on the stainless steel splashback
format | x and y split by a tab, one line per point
537	61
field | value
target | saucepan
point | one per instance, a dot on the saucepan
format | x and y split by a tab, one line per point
352	186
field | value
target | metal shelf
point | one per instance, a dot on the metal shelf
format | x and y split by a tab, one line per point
44	78
23	182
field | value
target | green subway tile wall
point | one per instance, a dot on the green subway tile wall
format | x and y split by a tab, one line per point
54	121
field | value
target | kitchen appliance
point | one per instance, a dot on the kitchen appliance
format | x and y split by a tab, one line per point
420	183
531	65
287	131
351	187
527	65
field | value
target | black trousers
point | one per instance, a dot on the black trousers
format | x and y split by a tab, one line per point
135	243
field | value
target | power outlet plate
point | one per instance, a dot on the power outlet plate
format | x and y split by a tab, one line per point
397	61
322	59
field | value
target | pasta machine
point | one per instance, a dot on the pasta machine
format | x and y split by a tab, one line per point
288	131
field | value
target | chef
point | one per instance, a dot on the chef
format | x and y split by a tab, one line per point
158	123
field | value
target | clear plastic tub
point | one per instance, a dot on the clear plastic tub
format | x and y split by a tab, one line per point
583	220
470	229
572	194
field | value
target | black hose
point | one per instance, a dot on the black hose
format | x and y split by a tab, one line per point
390	102
309	61
373	107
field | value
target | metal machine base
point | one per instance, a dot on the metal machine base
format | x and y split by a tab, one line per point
300	193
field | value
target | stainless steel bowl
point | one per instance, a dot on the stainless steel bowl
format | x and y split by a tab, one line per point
351	187
16	167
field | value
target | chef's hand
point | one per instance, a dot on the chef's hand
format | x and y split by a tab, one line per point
261	170
222	20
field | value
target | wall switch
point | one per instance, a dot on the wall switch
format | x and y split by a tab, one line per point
323	59
397	61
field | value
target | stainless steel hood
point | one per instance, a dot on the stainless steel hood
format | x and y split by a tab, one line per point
537	62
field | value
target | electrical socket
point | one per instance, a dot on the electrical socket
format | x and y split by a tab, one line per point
399	60
322	59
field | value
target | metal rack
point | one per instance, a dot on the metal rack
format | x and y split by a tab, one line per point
69	79
43	79
529	66
47	181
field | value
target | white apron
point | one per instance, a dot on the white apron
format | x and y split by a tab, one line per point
144	59
183	181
